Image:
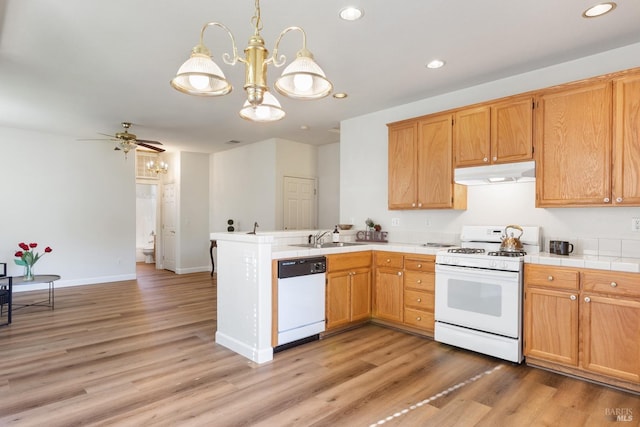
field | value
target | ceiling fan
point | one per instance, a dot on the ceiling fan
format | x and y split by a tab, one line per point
128	141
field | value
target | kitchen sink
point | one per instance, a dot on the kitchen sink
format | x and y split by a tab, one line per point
327	245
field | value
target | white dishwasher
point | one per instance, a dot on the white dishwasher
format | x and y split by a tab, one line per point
301	300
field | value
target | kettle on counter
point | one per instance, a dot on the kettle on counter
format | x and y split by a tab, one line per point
511	243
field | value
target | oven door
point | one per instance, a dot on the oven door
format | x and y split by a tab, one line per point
485	300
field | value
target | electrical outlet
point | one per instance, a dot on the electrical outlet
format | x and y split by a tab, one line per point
635	224
427	223
395	222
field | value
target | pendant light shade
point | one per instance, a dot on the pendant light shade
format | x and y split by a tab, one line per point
268	111
303	79
199	75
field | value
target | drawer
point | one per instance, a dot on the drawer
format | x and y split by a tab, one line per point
418	280
348	261
551	277
388	259
612	283
419	319
427	263
419	299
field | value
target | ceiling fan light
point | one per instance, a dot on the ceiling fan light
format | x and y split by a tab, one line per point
268	111
304	79
199	75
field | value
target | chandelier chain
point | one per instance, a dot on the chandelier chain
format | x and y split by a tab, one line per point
256	20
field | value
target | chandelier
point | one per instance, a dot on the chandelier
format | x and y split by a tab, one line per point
157	168
302	79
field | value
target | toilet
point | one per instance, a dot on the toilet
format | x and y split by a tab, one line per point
148	253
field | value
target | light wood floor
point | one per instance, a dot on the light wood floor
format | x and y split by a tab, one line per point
142	353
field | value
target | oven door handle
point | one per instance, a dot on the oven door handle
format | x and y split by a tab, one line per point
486	273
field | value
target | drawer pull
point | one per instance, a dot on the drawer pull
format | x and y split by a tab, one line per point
419	281
550	278
388	260
418	318
419	265
614	284
419	300
573	297
587	299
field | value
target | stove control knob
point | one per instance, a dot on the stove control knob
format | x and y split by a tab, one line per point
505	265
493	264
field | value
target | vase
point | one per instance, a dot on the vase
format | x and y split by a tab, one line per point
28	273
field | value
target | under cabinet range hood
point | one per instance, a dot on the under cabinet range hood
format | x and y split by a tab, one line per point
496	174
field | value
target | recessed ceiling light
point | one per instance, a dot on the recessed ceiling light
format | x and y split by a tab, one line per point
436	63
340	95
351	13
599	10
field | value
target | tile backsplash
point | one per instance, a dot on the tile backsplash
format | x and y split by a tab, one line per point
618	248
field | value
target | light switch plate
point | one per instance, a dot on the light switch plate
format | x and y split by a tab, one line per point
395	222
635	224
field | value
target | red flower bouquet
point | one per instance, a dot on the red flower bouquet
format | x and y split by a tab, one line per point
27	257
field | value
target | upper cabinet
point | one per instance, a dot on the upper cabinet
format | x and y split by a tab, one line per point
574	146
589	144
626	140
498	132
420	165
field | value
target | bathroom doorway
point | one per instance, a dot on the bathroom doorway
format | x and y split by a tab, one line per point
146	222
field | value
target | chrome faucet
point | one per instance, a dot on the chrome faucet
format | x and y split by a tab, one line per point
255	225
317	238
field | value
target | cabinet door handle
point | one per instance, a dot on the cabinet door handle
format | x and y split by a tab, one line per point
413	205
419	299
614	284
495	158
485	159
399	273
550	278
573	297
619	200
418	318
587	299
419	265
419	281
606	200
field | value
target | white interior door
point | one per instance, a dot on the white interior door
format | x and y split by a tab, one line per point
169	213
299	203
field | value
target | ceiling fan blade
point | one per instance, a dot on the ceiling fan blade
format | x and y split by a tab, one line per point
94	139
106	134
146	141
150	147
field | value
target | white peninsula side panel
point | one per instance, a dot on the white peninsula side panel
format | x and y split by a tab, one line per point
244	294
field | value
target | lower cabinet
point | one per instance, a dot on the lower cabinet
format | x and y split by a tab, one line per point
388	294
404	290
419	292
348	291
584	322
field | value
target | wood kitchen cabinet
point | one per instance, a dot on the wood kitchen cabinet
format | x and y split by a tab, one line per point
497	132
419	291
348	292
420	165
551	314
610	323
388	294
574	145
584	322
626	140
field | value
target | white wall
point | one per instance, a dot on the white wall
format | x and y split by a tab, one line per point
77	197
247	182
329	186
243	187
193	208
363	189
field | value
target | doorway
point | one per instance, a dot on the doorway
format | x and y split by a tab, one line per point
300	195
146	221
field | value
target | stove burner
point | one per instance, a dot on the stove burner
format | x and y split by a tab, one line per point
507	253
466	251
